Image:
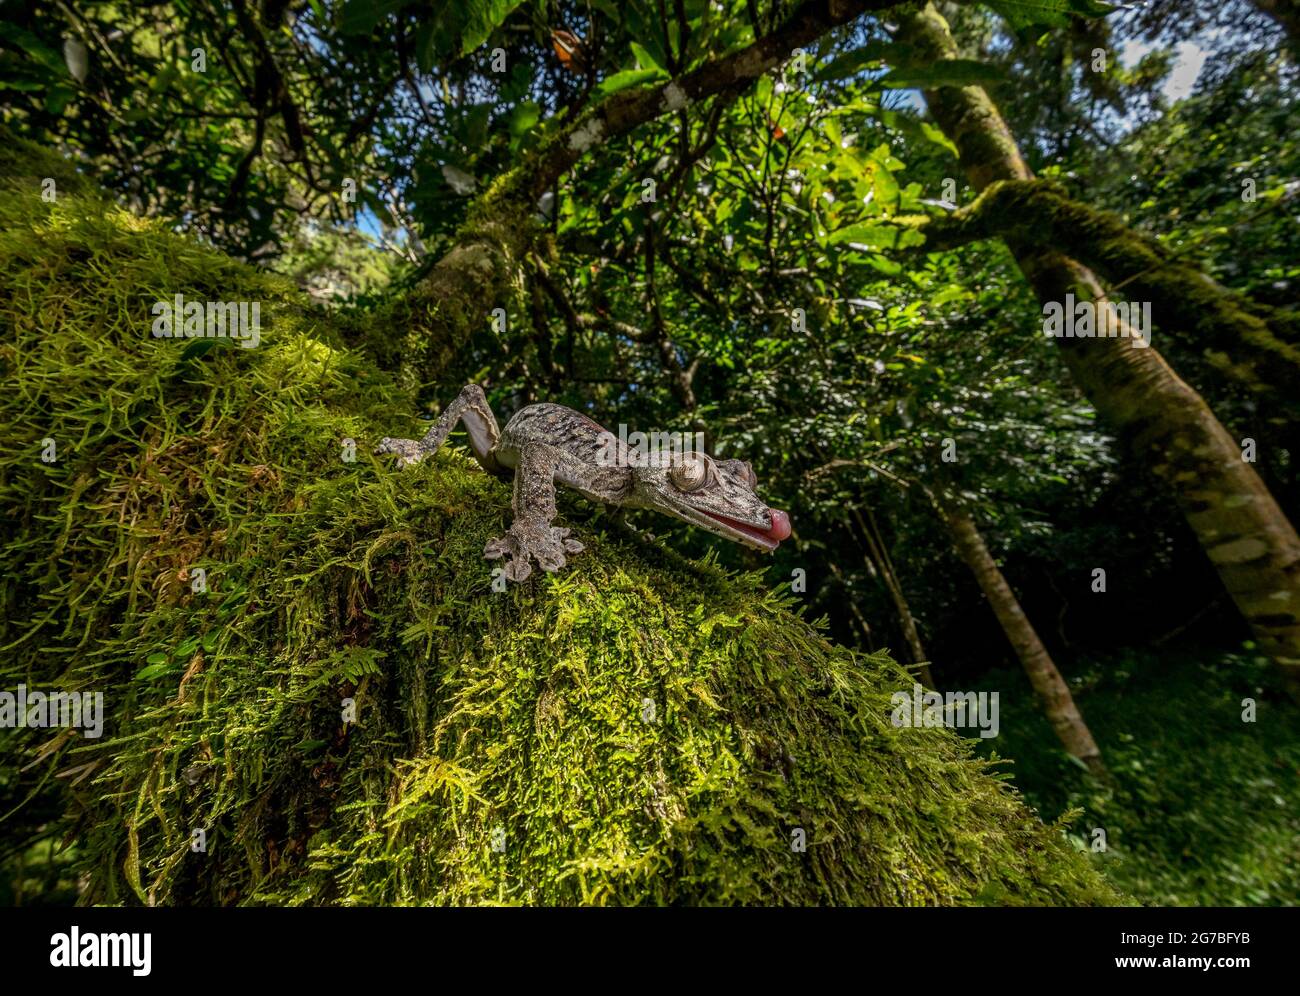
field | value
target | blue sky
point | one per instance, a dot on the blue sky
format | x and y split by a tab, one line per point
1189	56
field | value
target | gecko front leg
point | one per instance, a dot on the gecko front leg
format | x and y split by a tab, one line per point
470	407
531	535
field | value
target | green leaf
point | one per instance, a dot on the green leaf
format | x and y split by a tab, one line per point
360	17
481	19
953	292
309	746
34	47
937	136
57	99
874	235
628	78
426	45
885	265
852	63
231	601
1021	14
865	234
1075	761
474	132
947	72
645	60
833	134
452	30
200	347
884	187
914	127
524	118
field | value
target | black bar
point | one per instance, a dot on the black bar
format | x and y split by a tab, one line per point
212	946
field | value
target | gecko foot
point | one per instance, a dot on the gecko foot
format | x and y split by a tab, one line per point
408	451
525	543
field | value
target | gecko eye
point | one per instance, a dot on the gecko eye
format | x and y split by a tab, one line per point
689	474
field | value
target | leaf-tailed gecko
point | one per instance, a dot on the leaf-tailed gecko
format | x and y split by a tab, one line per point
545	444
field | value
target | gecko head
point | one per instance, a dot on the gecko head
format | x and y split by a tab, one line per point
717	495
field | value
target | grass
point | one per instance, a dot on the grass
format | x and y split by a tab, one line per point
1204	809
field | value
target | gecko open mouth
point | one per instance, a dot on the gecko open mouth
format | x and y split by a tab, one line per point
768	538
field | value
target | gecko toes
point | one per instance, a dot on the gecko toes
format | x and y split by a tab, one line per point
408	450
560	537
550	561
523	545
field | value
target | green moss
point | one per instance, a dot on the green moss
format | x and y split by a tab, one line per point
637	729
26	165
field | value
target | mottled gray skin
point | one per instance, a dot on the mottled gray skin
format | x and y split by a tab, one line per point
544	445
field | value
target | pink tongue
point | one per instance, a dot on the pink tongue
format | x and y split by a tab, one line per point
780	526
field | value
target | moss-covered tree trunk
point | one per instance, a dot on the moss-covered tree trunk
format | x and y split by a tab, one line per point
1251	344
1243	531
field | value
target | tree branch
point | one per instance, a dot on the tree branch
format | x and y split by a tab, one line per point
1248	342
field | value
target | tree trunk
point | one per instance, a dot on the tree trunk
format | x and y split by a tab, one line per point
864	628
1239	524
906	621
1049	686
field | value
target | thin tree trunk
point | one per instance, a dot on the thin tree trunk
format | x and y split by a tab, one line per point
1249	540
1049	686
906	621
863	626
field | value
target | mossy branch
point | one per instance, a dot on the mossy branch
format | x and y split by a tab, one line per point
1247	341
